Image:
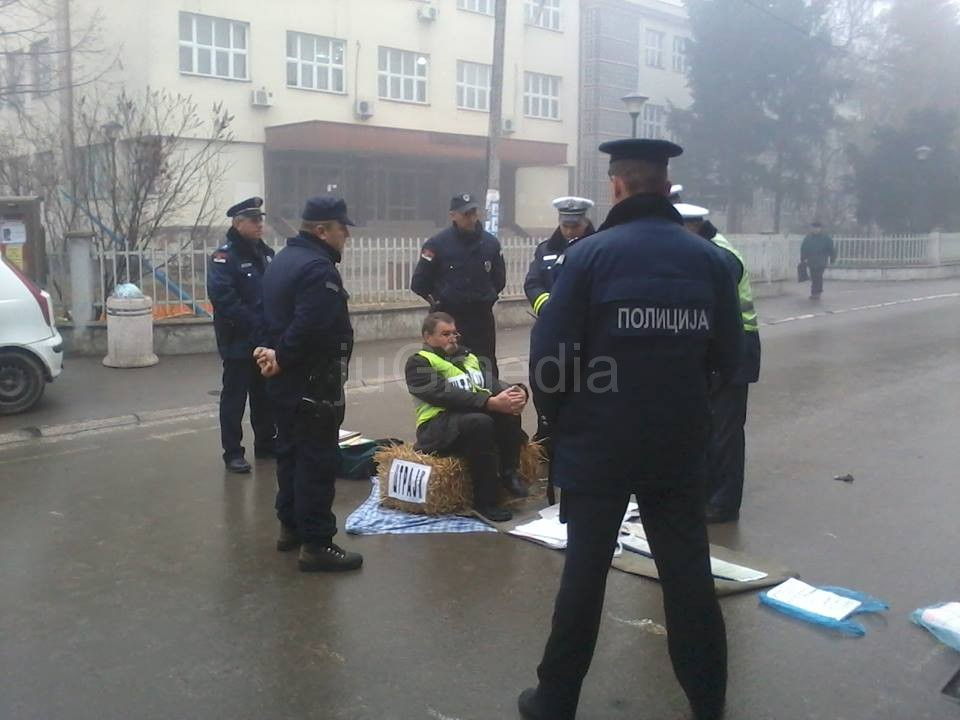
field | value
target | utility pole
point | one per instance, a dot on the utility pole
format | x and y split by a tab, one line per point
492	223
67	106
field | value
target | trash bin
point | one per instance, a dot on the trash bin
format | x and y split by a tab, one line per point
129	329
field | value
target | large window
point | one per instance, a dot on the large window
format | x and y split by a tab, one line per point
473	86
213	46
543	13
541	96
680	46
314	62
654	48
403	75
478	6
652	121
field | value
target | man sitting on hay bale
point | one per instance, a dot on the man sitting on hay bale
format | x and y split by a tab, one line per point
463	409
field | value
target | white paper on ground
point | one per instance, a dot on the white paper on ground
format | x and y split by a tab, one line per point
946	617
802	596
347	434
547	531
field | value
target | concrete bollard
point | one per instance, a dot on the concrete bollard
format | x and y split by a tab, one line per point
130	332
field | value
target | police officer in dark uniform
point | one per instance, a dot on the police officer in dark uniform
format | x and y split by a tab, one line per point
309	340
234	277
640	315
461	272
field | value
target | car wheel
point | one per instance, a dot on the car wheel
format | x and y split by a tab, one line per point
22	382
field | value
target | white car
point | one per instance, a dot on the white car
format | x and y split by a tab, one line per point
31	349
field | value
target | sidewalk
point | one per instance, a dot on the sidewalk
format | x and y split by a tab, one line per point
89	391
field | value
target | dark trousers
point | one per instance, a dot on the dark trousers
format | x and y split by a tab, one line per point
674	523
726	452
816	277
308	457
242	379
490	445
478	331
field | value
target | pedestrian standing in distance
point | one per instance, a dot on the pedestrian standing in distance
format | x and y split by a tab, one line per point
816	252
309	340
573	226
234	286
620	357
461	272
726	453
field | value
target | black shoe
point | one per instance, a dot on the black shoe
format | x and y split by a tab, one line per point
529	705
237	465
716	515
265	452
495	514
289	539
327	557
514	484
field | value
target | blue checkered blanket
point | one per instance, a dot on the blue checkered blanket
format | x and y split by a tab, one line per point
372	519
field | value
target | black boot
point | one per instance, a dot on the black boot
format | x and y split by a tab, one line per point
289	539
238	465
327	557
529	705
494	513
515	484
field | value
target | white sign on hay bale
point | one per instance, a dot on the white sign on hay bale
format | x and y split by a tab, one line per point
409	481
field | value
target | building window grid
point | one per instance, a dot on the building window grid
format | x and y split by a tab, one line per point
315	62
541	96
680	49
543	13
652	122
484	7
654	48
473	86
402	75
213	46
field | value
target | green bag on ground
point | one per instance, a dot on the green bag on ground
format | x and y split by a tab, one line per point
356	461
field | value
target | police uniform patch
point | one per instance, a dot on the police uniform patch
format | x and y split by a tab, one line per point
219	257
427	254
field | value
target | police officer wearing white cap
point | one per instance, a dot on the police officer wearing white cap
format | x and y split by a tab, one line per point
726	453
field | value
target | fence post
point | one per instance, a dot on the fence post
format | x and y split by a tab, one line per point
933	248
80	263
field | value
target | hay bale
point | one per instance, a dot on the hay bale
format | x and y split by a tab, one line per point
450	489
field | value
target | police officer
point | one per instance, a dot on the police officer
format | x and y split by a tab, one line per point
309	342
726	453
816	252
234	277
620	358
461	272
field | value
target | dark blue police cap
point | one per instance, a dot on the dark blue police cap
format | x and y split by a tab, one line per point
248	208
655	151
326	207
464	202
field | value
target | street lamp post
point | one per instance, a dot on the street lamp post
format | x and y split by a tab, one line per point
634	102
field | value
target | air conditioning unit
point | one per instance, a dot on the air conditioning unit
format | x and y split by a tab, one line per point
363	109
261	98
427	13
509	126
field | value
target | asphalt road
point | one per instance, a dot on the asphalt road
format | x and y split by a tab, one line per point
139	581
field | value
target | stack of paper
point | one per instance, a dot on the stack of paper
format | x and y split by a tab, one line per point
802	596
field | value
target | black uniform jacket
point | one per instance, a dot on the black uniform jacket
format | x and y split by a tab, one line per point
427	385
816	248
234	286
306	321
641	314
458	268
541	274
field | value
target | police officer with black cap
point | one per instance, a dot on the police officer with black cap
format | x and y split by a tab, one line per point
461	272
620	356
234	277
309	340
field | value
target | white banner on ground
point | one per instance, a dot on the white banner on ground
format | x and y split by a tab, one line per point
409	481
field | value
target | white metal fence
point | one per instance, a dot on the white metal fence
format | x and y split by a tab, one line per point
378	270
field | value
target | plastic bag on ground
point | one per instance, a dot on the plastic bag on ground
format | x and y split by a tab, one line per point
127	291
943	620
866	604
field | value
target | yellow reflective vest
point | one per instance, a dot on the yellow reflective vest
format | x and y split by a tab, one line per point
747	310
469	377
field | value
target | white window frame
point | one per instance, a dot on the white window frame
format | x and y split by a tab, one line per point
481	7
473	86
543	13
234	51
393	83
315	68
541	96
681	46
652	122
653	52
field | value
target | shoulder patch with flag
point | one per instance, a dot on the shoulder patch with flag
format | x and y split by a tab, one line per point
427	254
220	257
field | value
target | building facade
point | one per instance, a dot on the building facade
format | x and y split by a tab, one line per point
628	46
383	101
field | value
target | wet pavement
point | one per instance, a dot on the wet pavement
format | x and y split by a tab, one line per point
140	581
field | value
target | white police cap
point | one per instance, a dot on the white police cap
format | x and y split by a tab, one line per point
692	212
572	208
